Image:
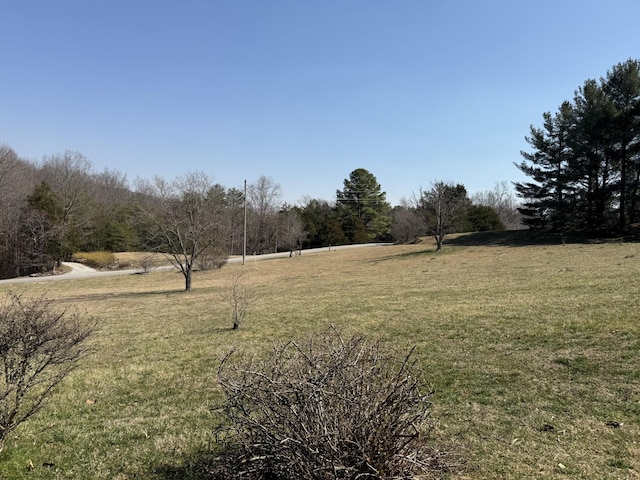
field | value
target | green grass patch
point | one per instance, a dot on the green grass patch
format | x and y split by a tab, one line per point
532	351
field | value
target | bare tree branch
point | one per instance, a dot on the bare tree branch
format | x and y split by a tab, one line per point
39	346
186	216
329	407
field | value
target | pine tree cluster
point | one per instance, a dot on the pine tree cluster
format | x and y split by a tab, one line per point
584	167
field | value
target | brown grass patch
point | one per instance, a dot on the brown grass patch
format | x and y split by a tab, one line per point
532	351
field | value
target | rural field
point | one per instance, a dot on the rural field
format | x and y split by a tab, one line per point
533	352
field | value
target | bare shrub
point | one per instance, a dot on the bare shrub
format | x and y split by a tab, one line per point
328	408
39	346
148	262
211	259
239	297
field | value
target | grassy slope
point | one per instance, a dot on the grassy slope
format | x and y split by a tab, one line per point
532	350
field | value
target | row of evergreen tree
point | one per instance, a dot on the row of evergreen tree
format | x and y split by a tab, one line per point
584	167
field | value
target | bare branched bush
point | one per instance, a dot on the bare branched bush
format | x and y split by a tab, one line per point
148	262
211	259
239	297
329	408
39	346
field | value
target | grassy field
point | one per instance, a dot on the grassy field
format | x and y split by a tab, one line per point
533	351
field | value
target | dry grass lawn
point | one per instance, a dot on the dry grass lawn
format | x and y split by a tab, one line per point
533	352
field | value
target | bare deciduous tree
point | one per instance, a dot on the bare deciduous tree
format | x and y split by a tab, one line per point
239	297
16	181
39	346
263	196
13	184
443	208
407	224
291	230
70	177
185	216
111	187
504	202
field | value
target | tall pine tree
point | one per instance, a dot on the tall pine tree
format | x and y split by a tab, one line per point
622	87
366	215
549	197
592	165
584	168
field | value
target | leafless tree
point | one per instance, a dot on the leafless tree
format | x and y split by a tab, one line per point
35	234
69	176
407	224
291	231
263	197
17	179
504	202
443	208
185	216
239	296
11	170
39	346
111	188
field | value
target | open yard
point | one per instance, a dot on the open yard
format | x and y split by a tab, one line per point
533	352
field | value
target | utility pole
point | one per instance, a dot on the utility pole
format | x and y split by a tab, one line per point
244	243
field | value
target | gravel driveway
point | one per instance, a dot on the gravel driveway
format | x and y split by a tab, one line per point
78	270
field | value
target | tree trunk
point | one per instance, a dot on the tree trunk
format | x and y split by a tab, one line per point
439	239
623	191
187	280
634	198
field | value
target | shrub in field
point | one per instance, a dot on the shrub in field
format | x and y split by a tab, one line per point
39	345
147	262
239	297
328	408
95	259
212	258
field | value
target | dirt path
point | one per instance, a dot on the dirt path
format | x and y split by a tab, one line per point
78	270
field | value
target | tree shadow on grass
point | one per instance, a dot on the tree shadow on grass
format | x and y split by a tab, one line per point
427	252
524	238
196	467
510	238
202	465
123	295
180	293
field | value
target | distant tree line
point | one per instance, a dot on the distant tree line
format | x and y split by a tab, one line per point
361	213
61	206
446	208
584	166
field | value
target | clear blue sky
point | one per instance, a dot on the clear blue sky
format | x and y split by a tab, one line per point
300	91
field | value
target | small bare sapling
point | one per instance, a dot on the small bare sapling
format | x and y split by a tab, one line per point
239	297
